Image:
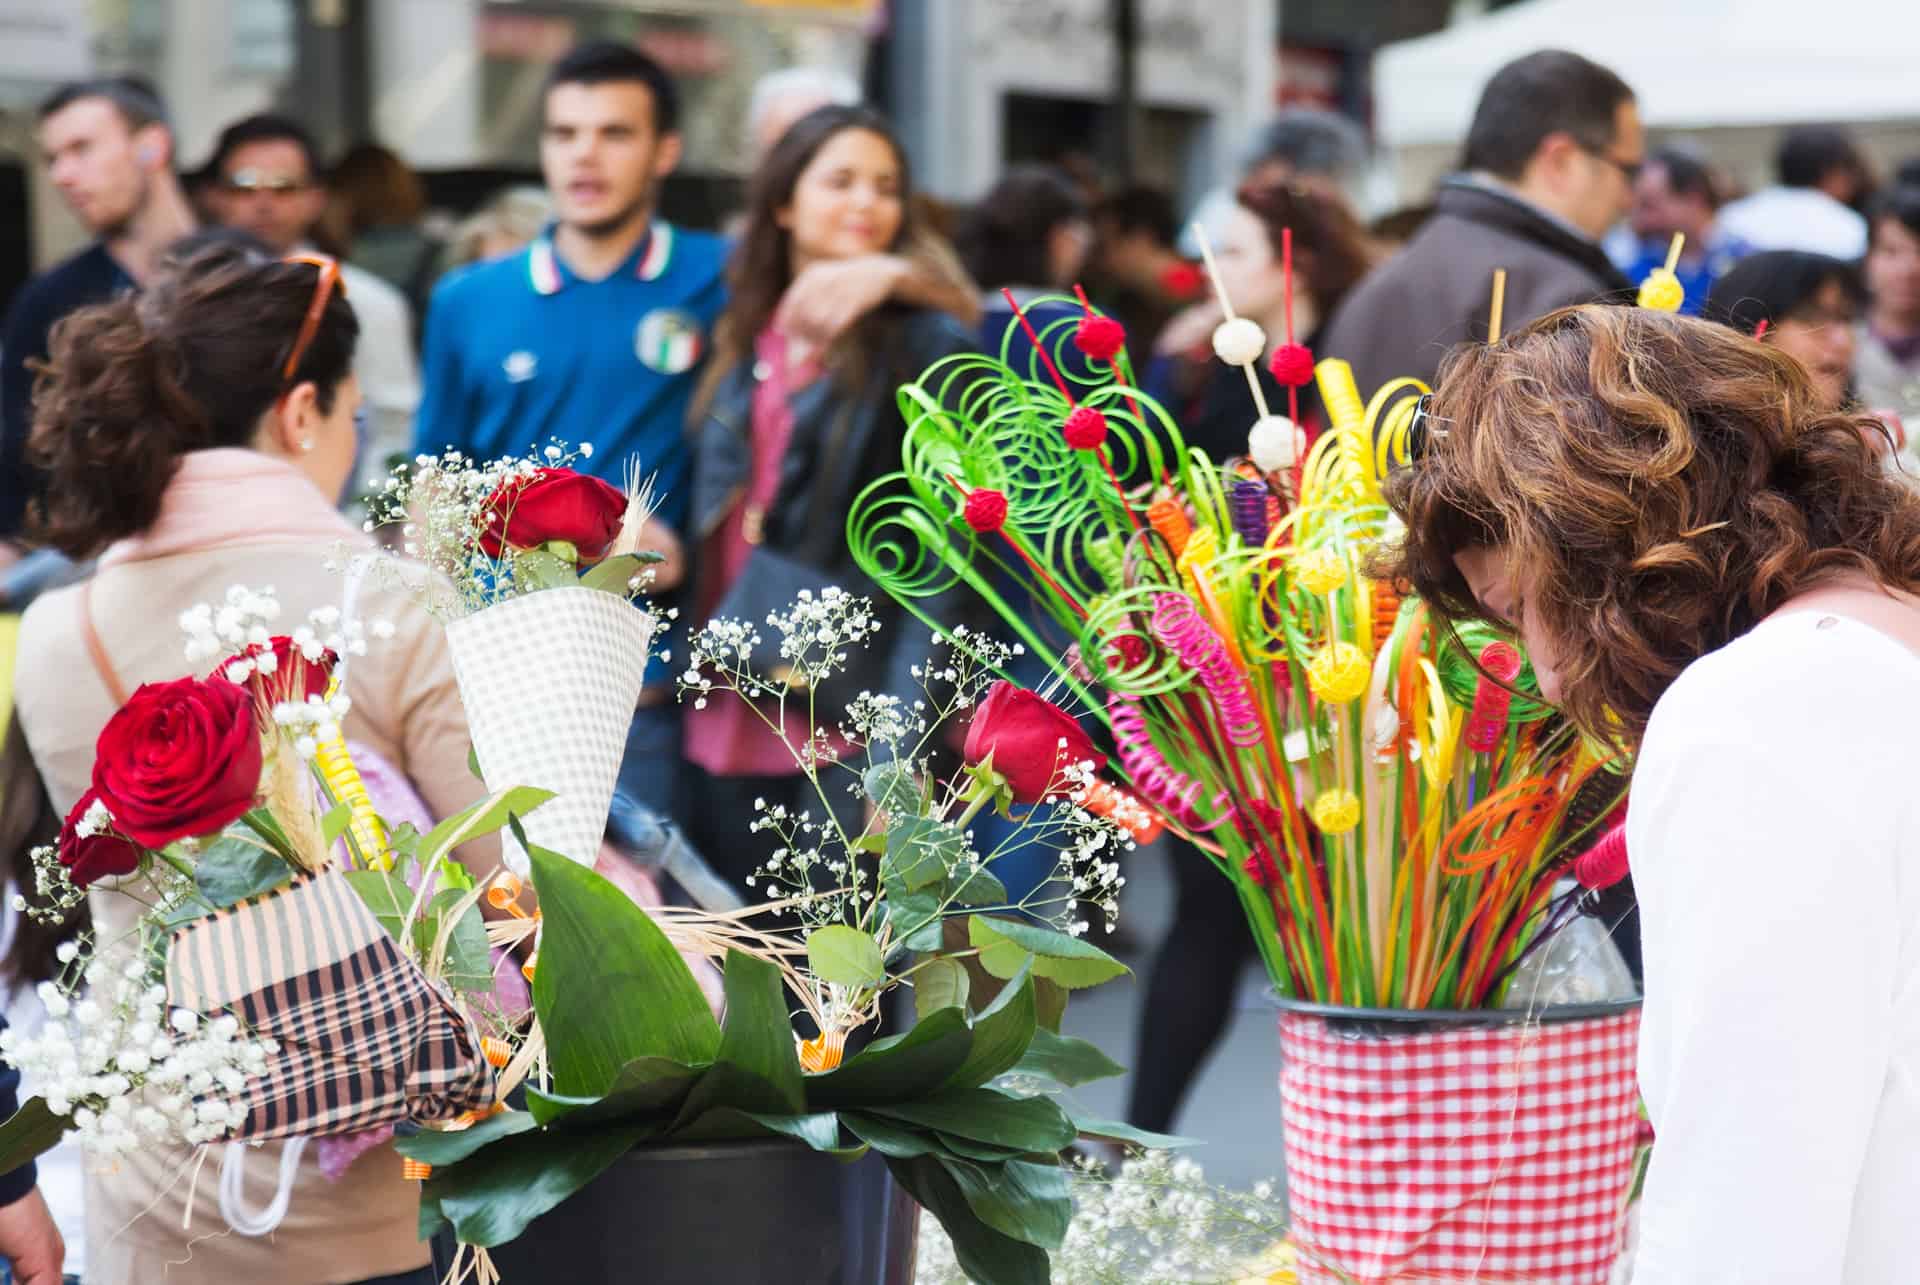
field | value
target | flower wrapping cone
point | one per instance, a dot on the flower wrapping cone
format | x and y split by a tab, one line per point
550	681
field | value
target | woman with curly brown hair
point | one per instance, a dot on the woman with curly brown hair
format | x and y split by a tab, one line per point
1712	570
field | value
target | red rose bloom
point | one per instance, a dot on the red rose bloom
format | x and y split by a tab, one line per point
986	510
1099	338
1085	429
97	856
1024	734
179	759
294	677
553	504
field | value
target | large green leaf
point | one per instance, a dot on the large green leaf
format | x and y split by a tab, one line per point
1001	1032
1005	944
915	918
482	818
984	1254
892	788
492	1195
610	987
1035	1125
757	1036
819	1131
890	1137
1065	1060
1027	1201
647	1088
231	869
31	1131
1118	1131
938	984
898	1068
846	956
1050	1003
443	1149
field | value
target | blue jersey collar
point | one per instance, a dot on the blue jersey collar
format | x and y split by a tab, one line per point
649	259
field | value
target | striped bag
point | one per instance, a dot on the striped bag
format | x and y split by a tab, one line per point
365	1038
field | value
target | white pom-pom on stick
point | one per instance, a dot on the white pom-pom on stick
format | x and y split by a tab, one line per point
1239	341
1274	443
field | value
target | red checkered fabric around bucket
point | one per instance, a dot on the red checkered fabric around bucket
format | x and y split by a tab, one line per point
1478	1153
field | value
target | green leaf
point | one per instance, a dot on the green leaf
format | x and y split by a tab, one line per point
1001	1032
610	987
453	875
540	570
1050	1003
938	984
231	869
916	920
820	1131
31	1131
473	762
492	1196
335	822
982	888
898	1068
1004	945
482	818
469	961
921	852
1034	1125
1018	1198
443	1149
263	823
611	575
889	1137
984	1254
1118	1131
892	788
757	1036
871	844
838	953
647	1088
1065	1061
386	895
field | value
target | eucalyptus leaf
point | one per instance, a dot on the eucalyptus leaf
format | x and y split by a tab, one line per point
1005	944
610	987
1018	1198
845	955
1066	1061
938	984
231	869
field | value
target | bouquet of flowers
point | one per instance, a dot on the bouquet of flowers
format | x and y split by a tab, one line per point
877	888
1391	799
536	566
229	805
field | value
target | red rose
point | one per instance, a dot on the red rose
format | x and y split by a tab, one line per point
97	856
553	504
179	759
1031	741
292	678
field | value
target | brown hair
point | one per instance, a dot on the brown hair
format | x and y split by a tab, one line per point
27	821
1330	241
192	363
378	189
1660	485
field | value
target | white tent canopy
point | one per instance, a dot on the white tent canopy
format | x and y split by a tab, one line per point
1692	64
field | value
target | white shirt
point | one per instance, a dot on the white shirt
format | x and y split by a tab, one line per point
1774	832
1796	218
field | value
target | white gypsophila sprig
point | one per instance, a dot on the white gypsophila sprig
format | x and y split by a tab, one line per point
810	872
819	632
1156	1219
127	1069
240	627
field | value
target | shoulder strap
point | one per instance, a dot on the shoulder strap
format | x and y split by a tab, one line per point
96	650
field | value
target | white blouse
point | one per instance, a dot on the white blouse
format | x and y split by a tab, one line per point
1774	833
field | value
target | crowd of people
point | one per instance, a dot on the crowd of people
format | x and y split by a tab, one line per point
211	380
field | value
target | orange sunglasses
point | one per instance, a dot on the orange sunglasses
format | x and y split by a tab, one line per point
322	291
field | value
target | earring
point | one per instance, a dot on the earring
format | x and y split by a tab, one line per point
306	443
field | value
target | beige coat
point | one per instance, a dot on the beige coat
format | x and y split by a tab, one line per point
406	707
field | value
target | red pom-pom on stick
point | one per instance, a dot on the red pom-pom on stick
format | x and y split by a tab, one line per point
1291	365
986	510
1099	338
1086	429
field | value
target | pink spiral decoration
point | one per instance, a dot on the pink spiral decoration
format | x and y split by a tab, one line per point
1177	626
1491	699
1605	863
1171	791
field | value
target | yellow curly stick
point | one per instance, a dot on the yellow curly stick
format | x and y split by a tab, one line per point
1389	419
365	828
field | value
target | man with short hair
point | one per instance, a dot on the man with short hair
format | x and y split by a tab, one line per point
1549	166
265	180
1822	177
109	153
1675	193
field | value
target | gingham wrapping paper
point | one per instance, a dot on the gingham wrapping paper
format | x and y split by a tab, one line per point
364	1037
1492	1153
550	681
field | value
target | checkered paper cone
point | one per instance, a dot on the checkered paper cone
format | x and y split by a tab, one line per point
1487	1152
550	680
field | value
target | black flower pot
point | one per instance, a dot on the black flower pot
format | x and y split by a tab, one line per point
723	1212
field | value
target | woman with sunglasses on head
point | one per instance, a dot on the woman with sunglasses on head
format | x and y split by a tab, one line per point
196	437
1708	566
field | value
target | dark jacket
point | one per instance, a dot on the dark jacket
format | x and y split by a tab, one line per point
1402	319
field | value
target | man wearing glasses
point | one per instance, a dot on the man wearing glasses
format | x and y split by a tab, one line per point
1548	169
266	182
